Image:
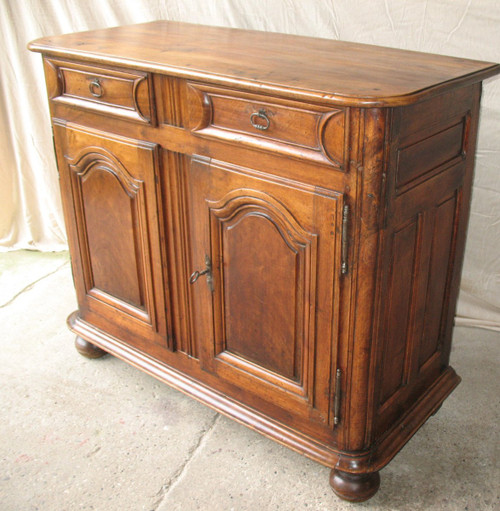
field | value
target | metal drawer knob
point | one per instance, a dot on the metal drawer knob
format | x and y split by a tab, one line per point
95	88
256	120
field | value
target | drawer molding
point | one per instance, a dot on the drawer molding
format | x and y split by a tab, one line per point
306	132
103	90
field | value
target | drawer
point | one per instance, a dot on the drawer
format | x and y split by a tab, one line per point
109	91
300	130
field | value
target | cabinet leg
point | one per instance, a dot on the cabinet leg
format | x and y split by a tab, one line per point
88	349
354	487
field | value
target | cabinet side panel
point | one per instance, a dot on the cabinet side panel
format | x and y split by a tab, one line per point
429	186
432	136
399	297
439	271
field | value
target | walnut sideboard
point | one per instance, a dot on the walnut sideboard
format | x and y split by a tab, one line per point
272	224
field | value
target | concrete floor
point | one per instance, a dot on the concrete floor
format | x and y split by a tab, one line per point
98	434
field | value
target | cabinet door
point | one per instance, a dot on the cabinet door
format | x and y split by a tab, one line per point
109	194
266	311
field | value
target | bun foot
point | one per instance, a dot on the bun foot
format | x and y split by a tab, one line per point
354	487
88	349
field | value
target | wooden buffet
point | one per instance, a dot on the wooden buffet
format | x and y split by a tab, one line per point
272	224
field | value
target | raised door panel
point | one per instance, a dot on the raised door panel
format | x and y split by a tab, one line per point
265	293
266	315
109	193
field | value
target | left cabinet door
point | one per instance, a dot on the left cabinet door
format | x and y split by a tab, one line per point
113	219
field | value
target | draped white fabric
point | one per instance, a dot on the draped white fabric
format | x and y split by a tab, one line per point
30	210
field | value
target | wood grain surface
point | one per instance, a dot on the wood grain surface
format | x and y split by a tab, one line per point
335	71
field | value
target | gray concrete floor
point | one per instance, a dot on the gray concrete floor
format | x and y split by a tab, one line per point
98	434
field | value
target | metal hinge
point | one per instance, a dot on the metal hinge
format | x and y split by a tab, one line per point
336	401
345	245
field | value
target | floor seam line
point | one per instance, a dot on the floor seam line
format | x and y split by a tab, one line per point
177	476
31	284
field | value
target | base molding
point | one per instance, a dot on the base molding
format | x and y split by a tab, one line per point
366	462
326	455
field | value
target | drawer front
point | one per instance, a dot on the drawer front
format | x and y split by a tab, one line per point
304	131
109	91
267	120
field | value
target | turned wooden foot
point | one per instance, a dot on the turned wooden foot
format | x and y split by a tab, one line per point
354	487
88	349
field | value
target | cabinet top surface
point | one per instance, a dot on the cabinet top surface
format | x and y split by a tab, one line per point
329	70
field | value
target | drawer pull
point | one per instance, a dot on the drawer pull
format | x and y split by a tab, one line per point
261	114
95	88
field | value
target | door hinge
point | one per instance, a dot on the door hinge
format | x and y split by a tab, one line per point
336	400
345	244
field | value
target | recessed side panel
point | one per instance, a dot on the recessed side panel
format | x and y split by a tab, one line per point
433	136
432	151
422	254
399	297
421	262
443	241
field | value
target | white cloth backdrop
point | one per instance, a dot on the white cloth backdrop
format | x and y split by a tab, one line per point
30	210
